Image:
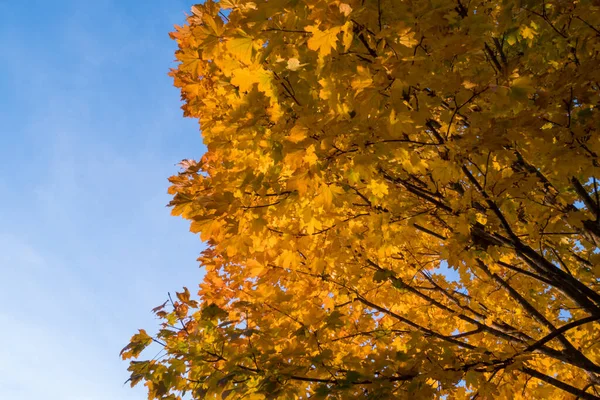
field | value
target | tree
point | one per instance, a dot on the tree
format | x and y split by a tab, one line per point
354	148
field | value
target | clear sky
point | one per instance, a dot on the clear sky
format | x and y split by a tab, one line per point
90	130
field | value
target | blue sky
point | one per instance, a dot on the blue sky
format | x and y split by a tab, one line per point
90	130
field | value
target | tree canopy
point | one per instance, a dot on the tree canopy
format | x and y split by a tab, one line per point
399	200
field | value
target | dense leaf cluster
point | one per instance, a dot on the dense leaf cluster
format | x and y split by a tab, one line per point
354	147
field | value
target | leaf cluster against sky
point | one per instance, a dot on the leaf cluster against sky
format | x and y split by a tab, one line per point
352	148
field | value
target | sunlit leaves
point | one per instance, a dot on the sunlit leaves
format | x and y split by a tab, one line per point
323	41
399	200
241	48
136	345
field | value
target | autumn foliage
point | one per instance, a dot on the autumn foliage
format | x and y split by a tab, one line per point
354	147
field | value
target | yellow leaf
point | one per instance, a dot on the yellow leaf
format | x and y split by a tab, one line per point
363	79
469	84
347	35
345	9
288	259
246	78
379	189
481	218
293	64
323	41
297	134
241	49
547	125
527	32
311	157
256	268
407	38
325	197
191	61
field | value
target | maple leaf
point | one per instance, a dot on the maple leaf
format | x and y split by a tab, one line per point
407	38
293	64
379	189
345	9
527	32
323	41
297	134
311	157
241	48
